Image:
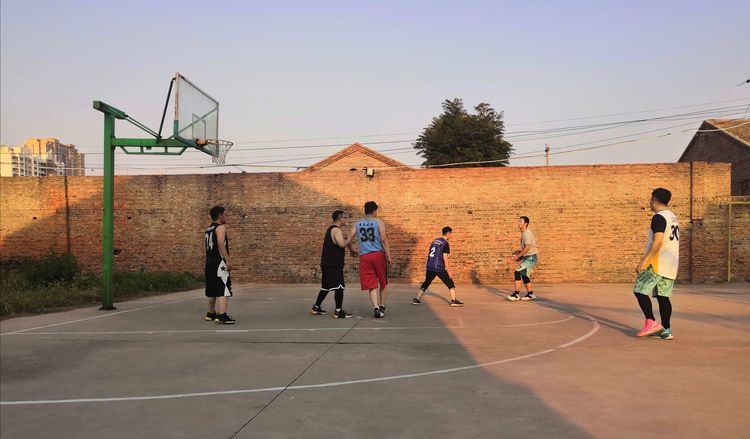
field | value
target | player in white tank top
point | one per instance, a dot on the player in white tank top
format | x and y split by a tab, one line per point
667	258
658	267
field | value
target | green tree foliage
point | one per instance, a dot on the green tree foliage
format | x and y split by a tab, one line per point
457	136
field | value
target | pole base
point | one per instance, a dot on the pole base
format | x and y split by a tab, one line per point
107	308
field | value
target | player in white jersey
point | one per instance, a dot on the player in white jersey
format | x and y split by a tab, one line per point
658	268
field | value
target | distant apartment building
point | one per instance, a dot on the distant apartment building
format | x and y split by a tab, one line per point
39	157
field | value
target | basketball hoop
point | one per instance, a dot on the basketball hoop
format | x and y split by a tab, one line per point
218	148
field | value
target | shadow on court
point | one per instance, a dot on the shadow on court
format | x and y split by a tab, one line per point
565	366
161	348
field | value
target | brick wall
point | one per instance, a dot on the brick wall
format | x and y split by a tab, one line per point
590	221
740	248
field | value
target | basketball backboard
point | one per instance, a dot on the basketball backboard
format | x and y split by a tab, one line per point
196	113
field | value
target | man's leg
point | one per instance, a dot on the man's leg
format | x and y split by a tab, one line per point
445	277
517	277
665	311
212	304
529	291
428	278
338	297
321	297
374	297
645	286
223	304
645	303
383	295
381	272
650	326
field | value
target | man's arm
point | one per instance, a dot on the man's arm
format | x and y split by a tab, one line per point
384	240
658	227
352	237
524	251
338	238
221	236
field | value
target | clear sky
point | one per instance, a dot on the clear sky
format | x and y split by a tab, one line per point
338	72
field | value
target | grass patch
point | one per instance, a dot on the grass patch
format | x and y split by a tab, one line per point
55	281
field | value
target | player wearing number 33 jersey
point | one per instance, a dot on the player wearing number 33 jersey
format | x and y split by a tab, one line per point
374	256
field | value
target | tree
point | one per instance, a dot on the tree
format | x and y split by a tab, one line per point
457	137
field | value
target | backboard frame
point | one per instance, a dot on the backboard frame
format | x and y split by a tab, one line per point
177	131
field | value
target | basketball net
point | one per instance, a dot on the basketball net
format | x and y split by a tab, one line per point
219	149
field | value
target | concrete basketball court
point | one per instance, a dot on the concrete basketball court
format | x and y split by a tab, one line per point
565	366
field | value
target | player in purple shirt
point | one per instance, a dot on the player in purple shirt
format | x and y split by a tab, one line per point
437	267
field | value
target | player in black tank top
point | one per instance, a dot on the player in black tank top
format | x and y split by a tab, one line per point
332	255
213	256
218	267
332	265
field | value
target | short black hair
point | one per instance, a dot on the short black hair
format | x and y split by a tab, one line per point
370	207
337	214
215	212
447	230
525	219
662	195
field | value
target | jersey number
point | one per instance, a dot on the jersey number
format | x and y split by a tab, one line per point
209	241
432	252
366	234
675	233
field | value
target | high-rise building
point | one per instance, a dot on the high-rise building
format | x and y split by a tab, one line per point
41	157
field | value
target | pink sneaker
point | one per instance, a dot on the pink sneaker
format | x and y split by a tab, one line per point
650	327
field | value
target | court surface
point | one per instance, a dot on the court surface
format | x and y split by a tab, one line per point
565	366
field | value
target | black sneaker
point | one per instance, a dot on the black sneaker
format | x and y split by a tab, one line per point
456	302
529	296
224	319
416	301
376	312
382	310
317	311
211	316
513	297
341	314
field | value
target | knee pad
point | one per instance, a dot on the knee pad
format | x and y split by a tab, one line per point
517	275
526	279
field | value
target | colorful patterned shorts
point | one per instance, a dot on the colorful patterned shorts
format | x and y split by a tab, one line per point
527	263
650	283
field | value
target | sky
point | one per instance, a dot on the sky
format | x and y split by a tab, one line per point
309	78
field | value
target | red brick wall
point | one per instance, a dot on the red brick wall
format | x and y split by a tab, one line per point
590	221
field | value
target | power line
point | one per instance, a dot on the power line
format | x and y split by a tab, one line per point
633	112
529	154
326	138
558	132
599	127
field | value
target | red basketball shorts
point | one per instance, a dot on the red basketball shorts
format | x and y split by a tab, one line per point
373	269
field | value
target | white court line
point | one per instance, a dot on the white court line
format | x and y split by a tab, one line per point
20	331
244	331
315	386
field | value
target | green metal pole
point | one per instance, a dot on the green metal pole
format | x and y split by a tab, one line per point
108	223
